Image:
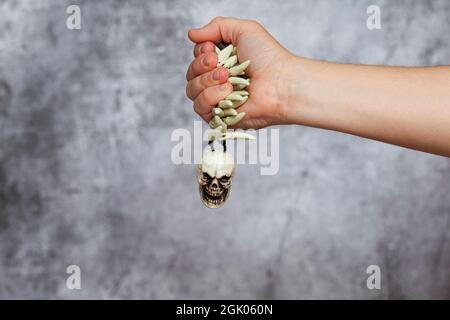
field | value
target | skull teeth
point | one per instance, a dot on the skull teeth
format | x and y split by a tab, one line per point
214	192
212	201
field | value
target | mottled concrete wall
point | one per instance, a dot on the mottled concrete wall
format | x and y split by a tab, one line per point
86	176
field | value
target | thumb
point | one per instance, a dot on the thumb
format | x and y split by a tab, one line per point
217	30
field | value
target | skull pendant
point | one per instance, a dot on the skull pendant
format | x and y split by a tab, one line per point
215	175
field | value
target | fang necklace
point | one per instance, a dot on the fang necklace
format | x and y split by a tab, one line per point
215	172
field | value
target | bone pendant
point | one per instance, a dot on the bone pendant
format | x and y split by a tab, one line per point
215	176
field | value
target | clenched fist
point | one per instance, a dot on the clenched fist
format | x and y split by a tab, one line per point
208	84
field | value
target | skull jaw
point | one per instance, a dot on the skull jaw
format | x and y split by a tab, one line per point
211	201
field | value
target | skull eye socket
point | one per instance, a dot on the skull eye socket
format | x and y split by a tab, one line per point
206	177
224	179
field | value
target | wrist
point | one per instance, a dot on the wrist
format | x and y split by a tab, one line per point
292	95
304	86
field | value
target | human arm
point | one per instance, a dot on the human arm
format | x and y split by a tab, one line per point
405	106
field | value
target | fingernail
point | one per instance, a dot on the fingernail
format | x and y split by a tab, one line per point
216	75
205	61
223	87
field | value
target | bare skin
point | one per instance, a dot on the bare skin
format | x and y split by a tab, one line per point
405	106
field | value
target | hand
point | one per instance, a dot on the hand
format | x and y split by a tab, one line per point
268	71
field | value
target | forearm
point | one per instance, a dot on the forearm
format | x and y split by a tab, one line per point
409	107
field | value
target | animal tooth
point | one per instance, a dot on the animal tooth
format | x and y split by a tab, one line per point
225	104
225	53
220	122
217	50
230	62
238	87
229	112
236	135
237	80
218	112
239	68
232	120
221	129
241	92
237	104
234	97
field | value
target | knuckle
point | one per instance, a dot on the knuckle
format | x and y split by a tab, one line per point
201	107
212	59
196	107
225	89
207	96
189	90
198	62
188	72
202	98
196	50
217	19
253	23
205	80
206	46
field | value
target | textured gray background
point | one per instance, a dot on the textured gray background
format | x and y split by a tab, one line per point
86	176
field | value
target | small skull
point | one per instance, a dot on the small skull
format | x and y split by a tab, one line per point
215	175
